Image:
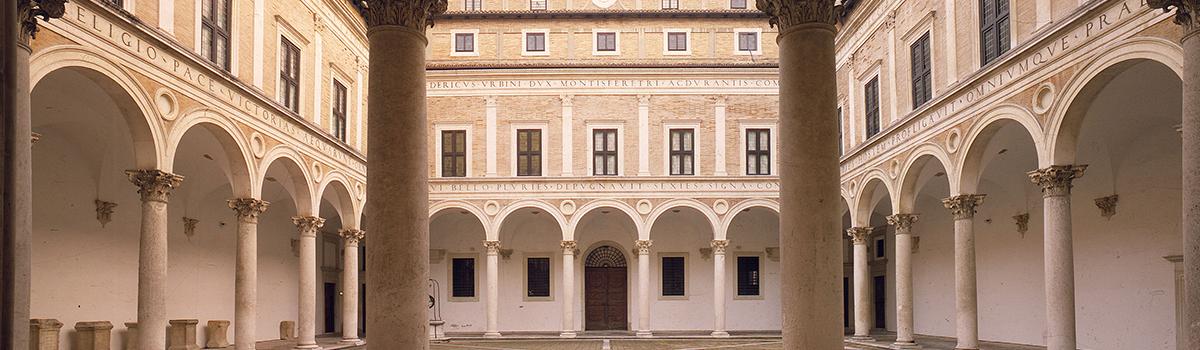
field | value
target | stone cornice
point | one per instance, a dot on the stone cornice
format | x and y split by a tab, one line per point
576	64
604	14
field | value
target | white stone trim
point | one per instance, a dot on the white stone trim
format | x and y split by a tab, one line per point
687	34
950	45
595	47
720	165
591	160
318	77
284	30
491	103
555	263
657	275
737	32
438	128
450	276
541	126
474	46
693	125
257	53
525	42
166	16
925	25
773	125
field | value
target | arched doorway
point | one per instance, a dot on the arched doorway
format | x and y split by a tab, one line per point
607	292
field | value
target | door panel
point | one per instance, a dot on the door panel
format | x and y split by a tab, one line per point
606	298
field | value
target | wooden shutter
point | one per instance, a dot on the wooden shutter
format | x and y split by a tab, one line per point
921	71
871	99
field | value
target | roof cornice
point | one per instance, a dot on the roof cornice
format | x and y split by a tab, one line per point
582	14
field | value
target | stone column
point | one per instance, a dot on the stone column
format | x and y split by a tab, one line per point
1185	15
1059	254
155	187
350	237
568	288
966	304
44	333
643	250
307	322
718	255
862	283
493	288
245	284
397	316
902	223
811	260
93	335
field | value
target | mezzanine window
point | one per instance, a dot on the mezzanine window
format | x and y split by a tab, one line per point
535	42
215	23
537	5
670	4
473	5
464	42
677	41
747	41
606	42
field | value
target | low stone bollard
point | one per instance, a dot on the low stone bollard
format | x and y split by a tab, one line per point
43	333
181	335
287	330
93	335
131	336
217	334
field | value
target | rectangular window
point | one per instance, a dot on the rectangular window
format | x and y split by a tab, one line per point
473	5
464	42
537	5
677	41
871	99
880	248
463	279
339	111
673	276
215	17
117	3
604	152
529	152
535	42
670	4
737	4
606	42
538	277
747	276
758	151
922	72
993	29
454	153
289	75
683	151
747	41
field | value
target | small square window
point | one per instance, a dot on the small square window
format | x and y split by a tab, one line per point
737	4
535	42
747	41
473	5
880	248
606	42
537	5
677	41
464	42
670	4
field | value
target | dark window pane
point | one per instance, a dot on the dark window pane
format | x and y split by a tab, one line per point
922	72
748	42
994	29
606	42
737	4
682	151
747	276
473	5
604	152
454	153
538	275
535	42
529	152
871	99
758	152
463	278
289	75
673	276
677	42
464	42
670	4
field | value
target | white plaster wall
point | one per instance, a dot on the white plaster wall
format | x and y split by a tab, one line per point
459	234
529	236
749	234
683	233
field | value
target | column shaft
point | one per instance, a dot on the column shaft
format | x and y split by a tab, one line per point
1059	265
155	188
245	288
967	308
904	285
351	237
17	189
307	322
862	283
718	251
1191	184
568	288
493	288
643	248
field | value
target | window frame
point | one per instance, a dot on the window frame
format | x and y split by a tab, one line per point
533	5
339	116
591	151
525	34
668	127
687	42
687	281
596	42
737	256
737	37
288	49
924	96
550	274
744	127
454	43
876	253
871	87
450	277
670	4
438	129
203	23
541	127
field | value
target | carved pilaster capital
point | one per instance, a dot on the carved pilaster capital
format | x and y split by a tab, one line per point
859	235
154	185
1056	179
788	13
963	206
413	14
567	100
718	245
30	10
889	22
643	246
248	209
34	138
493	247
568	247
352	235
308	225
491	101
1185	11
318	23
902	222
643	100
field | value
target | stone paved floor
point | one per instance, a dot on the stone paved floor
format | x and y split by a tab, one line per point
327	343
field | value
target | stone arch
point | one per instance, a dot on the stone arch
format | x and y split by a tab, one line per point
980	134
713	222
617	248
863	204
498	223
925	153
569	234
343	202
440	207
146	129
302	191
1069	112
738	208
231	140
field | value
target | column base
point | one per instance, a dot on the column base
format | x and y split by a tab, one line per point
861	338
644	334
491	335
312	346
352	341
567	334
720	334
906	345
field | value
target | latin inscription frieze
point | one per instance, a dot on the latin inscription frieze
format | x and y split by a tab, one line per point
436	187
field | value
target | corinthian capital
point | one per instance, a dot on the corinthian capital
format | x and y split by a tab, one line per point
248	208
493	247
718	245
643	246
1056	179
352	235
414	14
963	206
859	235
308	225
1184	10
29	12
154	185
568	247
902	222
787	13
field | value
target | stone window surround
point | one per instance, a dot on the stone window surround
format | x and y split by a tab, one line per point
595	44
474	38
591	139
234	33
542	126
667	126
864	76
925	25
285	31
525	43
737	32
554	263
762	263
687	34
656	275
438	128
773	125
450	276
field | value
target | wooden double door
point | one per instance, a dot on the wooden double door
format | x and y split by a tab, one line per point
606	298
